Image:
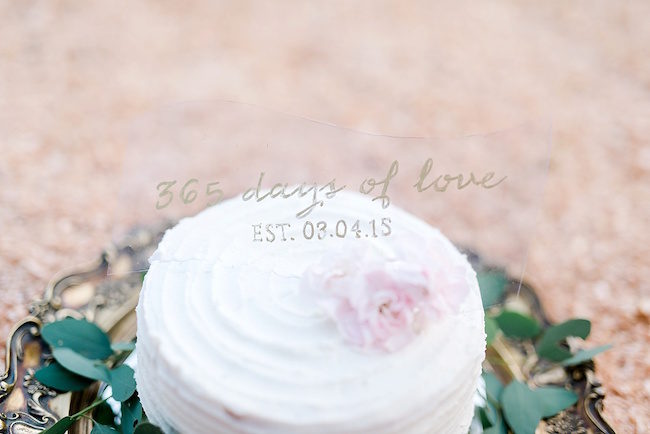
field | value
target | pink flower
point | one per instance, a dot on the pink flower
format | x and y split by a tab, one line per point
382	298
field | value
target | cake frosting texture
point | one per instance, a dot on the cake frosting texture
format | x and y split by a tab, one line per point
237	335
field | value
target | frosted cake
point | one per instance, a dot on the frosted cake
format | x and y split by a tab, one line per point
373	325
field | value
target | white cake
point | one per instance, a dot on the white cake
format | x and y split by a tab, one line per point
352	334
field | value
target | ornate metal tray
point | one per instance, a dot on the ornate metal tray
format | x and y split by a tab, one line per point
28	407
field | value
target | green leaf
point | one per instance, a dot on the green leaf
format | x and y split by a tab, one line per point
489	414
122	382
147	428
499	428
59	378
81	365
60	427
554	399
521	408
493	387
516	325
491	329
123	346
131	414
80	336
584	355
103	429
492	285
104	415
548	346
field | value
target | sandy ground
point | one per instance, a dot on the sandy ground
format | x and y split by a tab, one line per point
72	73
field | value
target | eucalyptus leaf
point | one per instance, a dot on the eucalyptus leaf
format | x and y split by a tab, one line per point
499	428
80	336
493	387
60	427
489	415
57	377
480	417
131	414
516	325
103	429
521	408
491	329
81	365
584	355
104	415
147	428
554	399
122	382
123	346
492	285
548	345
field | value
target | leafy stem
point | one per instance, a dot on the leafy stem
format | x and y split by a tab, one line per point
83	354
521	406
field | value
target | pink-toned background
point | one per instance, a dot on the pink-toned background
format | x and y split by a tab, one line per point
73	74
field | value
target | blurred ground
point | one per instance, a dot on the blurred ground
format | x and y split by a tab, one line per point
71	73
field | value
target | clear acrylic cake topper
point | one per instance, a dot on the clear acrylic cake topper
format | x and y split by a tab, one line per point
483	191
